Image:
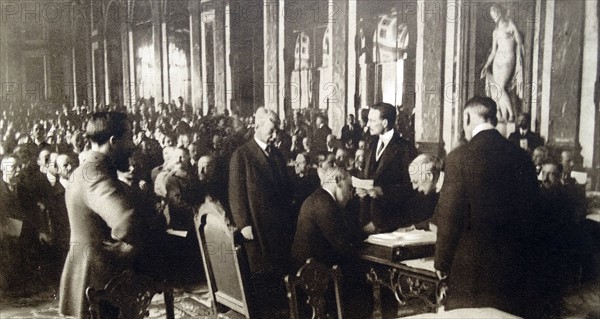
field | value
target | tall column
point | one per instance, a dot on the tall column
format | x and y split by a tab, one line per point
536	68
229	90
195	54
566	63
588	83
94	86
107	99
352	61
220	58
165	60
68	63
546	67
74	77
274	69
157	45
430	76
128	96
338	24
596	160
89	54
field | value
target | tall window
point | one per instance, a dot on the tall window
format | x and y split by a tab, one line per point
145	70
390	42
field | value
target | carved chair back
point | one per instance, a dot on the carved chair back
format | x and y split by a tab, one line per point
130	294
314	279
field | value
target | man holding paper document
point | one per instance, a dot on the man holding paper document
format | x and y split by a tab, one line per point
385	184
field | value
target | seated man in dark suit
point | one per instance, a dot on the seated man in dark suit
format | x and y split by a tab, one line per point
540	155
321	230
304	182
209	182
523	136
323	233
564	238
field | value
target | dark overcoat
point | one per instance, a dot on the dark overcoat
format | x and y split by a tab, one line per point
486	217
105	232
260	196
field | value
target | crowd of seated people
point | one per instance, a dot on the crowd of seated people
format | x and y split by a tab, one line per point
182	158
185	152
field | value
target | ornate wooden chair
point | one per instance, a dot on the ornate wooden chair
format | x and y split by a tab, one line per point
131	294
225	262
314	279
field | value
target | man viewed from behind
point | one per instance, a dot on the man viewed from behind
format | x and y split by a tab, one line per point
486	217
106	231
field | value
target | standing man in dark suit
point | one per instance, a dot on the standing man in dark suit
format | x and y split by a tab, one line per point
259	197
485	217
523	136
106	230
351	132
387	161
320	134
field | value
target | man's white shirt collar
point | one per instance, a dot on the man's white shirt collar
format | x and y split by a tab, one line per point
261	144
330	193
64	182
384	138
482	127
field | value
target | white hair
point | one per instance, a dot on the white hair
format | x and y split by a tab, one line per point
263	114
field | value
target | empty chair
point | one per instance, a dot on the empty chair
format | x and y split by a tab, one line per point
315	280
128	296
225	263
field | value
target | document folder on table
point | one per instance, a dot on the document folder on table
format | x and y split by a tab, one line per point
395	247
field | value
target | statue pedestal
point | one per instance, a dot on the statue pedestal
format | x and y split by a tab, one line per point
506	128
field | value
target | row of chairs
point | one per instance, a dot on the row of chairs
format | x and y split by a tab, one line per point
228	277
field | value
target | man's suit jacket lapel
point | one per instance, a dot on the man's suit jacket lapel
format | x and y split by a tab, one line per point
388	156
261	157
389	153
369	160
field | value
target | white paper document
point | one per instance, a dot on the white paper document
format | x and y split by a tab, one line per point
421	263
362	183
415	237
178	233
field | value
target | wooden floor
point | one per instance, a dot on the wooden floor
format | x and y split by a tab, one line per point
581	302
189	304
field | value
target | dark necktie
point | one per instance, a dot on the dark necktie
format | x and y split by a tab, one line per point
269	152
379	151
272	159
